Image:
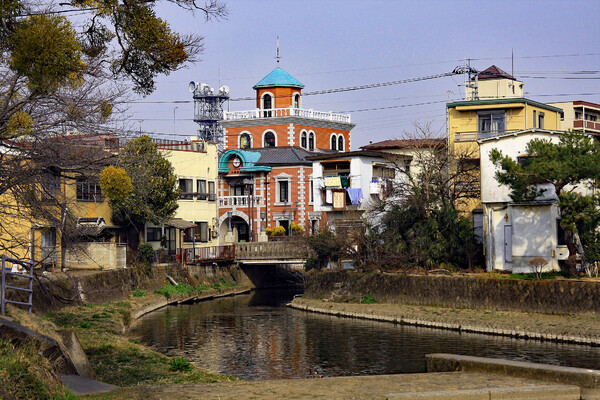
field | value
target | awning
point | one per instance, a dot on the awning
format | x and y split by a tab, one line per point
179	223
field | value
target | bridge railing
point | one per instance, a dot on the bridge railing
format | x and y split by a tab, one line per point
284	250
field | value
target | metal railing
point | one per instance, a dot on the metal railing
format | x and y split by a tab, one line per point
471	136
286	112
231	201
4	286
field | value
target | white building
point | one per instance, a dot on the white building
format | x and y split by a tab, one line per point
515	233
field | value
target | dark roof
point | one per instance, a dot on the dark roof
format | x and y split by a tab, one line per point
502	101
405	144
494	72
274	156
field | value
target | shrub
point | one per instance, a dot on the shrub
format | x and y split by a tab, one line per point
180	364
367	299
139	293
146	252
297	229
275	231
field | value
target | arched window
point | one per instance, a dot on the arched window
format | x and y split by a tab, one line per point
333	142
303	140
311	141
267	104
340	143
297	100
269	139
245	141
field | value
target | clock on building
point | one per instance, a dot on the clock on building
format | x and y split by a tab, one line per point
236	162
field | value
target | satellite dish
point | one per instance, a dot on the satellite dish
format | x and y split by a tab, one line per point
224	90
210	90
204	87
192	86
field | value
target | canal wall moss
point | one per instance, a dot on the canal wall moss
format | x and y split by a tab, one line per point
558	296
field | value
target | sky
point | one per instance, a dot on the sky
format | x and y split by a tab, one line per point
328	44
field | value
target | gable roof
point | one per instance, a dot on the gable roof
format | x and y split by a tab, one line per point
494	72
278	77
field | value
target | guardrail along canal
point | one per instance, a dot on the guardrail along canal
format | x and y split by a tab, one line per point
255	336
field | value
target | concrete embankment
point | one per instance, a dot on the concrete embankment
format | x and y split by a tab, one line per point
578	328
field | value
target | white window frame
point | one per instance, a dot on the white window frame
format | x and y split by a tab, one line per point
283	177
265	134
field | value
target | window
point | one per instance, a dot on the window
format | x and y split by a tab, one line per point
212	195
269	139
312	188
88	191
491	122
202	194
284	191
245	141
541	120
311	141
591	117
49	185
534	118
296	100
577	115
333	142
340	143
303	140
383	171
185	188
199	233
153	234
267	105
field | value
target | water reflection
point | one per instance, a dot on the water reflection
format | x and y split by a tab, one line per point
255	337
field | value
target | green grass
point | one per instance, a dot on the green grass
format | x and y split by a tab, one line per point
367	299
27	375
120	360
527	277
139	293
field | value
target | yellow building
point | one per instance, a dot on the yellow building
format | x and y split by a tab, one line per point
194	224
67	222
495	106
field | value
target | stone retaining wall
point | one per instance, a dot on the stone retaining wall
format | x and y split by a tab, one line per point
558	296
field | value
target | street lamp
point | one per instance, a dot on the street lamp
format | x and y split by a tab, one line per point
263	215
229	214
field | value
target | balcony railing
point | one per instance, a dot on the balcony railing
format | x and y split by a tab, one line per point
471	136
579	123
286	112
238	201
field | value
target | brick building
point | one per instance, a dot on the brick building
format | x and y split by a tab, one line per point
265	178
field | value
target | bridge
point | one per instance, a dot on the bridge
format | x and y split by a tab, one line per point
280	252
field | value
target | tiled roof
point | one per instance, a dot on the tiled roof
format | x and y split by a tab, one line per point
405	143
494	72
273	156
278	77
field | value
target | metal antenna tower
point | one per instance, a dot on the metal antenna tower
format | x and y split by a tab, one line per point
208	110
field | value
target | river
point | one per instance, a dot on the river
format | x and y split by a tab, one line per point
255	336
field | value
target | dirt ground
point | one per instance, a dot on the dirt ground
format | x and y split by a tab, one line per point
575	325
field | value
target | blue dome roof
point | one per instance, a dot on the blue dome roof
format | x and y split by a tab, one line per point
278	77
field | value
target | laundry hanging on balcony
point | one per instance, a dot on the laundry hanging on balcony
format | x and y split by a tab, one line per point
355	195
333	181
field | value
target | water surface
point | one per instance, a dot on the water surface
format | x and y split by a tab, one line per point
255	336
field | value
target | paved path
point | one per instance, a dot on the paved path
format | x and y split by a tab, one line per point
438	386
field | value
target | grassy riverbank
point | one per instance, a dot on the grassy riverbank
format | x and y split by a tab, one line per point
103	332
544	326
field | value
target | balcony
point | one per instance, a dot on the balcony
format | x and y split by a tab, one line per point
286	112
238	201
580	124
472	136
